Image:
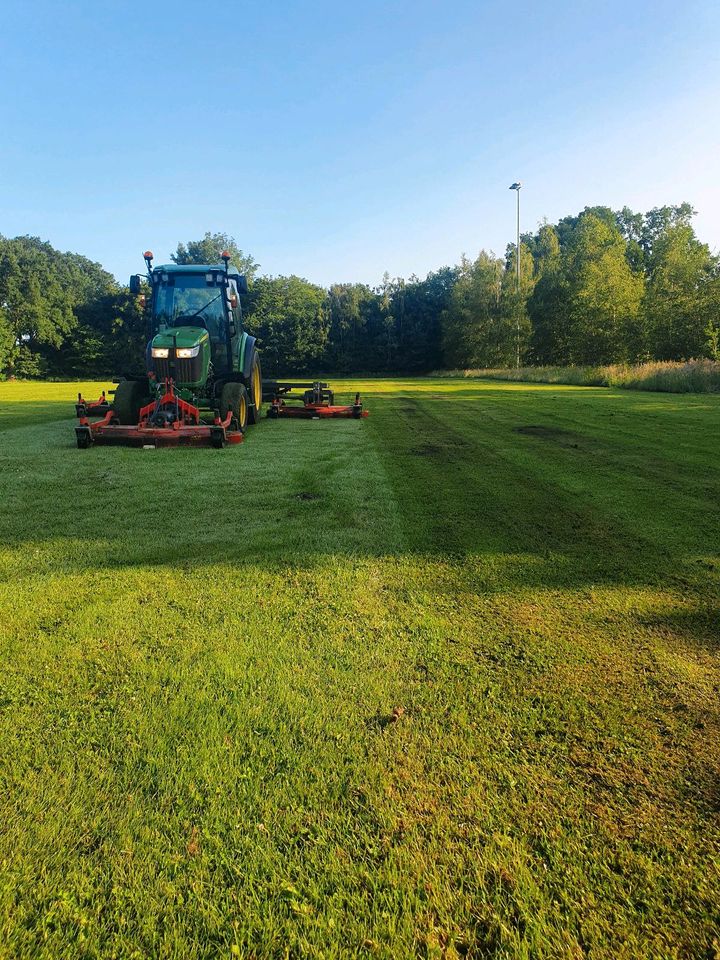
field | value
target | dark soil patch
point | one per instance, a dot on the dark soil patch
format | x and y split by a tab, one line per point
428	450
438	450
307	496
556	434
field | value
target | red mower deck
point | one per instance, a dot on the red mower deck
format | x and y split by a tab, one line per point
169	421
93	408
317	401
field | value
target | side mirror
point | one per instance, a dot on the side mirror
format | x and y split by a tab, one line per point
134	284
242	284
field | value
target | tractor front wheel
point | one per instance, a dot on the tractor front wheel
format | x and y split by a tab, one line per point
130	395
255	390
234	399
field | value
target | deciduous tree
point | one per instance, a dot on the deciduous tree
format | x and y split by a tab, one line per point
208	250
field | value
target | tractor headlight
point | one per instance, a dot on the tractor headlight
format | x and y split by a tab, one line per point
187	353
160	353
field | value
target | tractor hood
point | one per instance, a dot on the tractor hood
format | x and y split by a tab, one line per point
180	337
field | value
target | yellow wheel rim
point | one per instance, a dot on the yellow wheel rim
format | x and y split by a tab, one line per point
257	396
243	411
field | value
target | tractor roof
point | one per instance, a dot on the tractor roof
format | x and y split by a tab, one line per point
195	268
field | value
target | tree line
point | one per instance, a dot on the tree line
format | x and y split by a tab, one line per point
600	287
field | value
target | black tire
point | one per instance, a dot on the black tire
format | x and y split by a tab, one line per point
309	397
130	395
255	390
234	398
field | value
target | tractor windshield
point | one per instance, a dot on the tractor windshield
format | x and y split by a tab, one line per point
189	300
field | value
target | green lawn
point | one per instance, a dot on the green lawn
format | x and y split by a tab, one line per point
440	683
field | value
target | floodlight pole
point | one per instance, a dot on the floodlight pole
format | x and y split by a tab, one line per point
516	187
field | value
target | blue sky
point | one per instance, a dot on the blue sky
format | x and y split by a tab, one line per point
338	141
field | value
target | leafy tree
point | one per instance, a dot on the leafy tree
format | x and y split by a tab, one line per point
681	300
423	304
585	305
41	291
712	330
604	294
290	317
547	316
550	318
474	333
110	338
513	315
208	250
36	306
391	295
642	231
566	227
395	327
351	308
7	343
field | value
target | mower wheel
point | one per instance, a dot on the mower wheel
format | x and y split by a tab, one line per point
234	397
130	395
255	390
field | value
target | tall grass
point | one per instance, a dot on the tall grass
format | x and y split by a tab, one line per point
691	376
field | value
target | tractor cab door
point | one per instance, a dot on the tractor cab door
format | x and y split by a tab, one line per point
235	319
217	329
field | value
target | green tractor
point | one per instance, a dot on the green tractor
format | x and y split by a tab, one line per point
198	358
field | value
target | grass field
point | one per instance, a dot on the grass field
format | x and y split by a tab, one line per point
440	683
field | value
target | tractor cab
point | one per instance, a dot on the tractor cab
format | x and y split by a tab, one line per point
195	321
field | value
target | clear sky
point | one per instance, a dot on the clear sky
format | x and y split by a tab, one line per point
339	140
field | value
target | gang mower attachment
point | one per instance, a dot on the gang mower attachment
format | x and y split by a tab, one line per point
95	408
317	401
167	421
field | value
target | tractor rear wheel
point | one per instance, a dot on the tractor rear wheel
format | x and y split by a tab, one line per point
234	398
130	395
255	390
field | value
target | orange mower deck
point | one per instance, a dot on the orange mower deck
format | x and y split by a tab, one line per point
317	402
167	422
95	408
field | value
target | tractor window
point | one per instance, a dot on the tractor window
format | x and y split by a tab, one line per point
236	310
190	301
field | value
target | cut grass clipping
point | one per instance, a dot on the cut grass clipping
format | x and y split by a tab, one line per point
439	683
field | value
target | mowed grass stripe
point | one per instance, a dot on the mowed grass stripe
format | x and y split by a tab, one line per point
117	506
559	484
28	403
199	749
